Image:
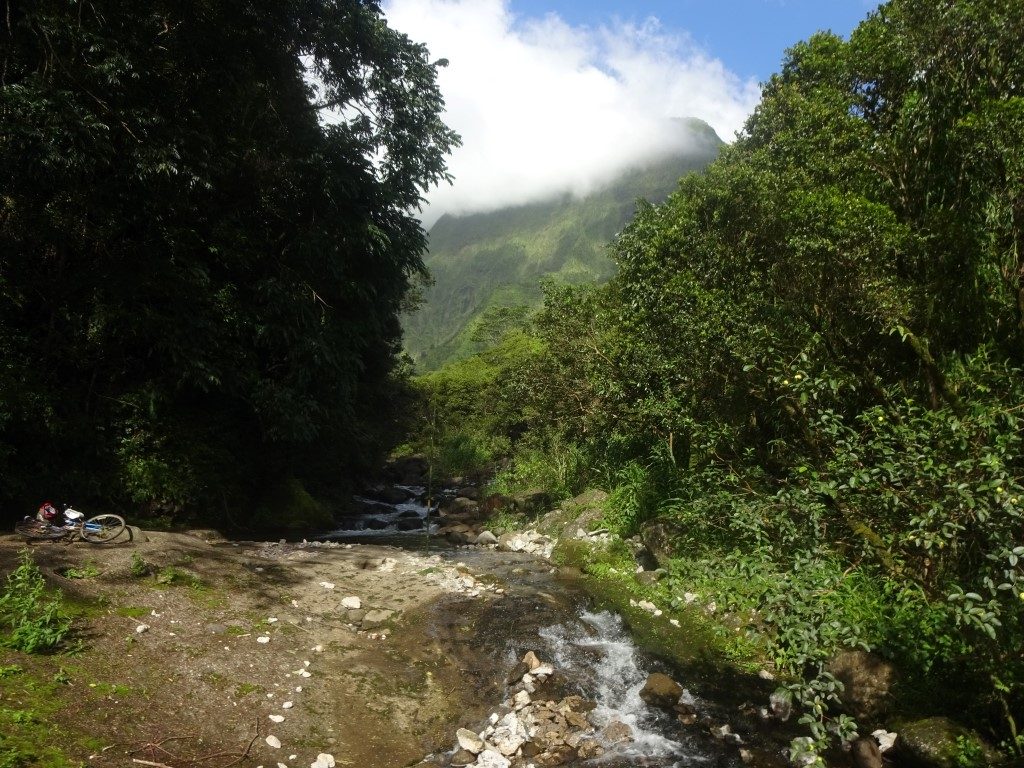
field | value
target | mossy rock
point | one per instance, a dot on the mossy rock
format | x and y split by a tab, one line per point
290	506
585	512
938	742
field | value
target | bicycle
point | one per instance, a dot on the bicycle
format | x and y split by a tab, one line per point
101	529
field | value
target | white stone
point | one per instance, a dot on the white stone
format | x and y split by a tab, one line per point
690	597
277	718
141	628
323	760
543	669
273	741
272	620
318	649
491	759
521	699
674	622
263	639
886	739
326	585
469	741
352	602
494	718
764	674
287	705
509	735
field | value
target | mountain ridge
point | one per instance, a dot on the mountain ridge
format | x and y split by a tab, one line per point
494	259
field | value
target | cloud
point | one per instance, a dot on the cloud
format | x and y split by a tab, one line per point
545	107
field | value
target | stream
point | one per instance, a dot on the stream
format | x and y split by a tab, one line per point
547	611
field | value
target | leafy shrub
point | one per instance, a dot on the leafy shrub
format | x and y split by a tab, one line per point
32	622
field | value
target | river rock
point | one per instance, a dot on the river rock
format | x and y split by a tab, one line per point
617	731
867	682
351	602
936	743
657	539
469	741
486	538
531	661
555	756
323	760
413	523
491	759
661	691
354	616
463	757
865	753
517	672
470	492
509	734
589	749
375	618
780	704
391	494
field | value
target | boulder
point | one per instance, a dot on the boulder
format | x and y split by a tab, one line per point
409	524
391	494
657	540
460	507
469	492
865	753
462	758
469	741
532	502
486	538
867	683
617	731
375	618
661	691
938	742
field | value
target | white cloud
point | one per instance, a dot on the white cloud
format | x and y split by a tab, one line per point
544	107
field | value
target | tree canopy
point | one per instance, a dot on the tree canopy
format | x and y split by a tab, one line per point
208	227
806	373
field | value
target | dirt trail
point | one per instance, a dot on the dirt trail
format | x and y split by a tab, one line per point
185	666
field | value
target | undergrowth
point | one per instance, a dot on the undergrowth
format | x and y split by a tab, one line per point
30	621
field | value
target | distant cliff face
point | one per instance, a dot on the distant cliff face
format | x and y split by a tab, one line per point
497	259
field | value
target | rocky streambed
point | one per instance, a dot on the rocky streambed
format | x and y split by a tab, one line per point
376	645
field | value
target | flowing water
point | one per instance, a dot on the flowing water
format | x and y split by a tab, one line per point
592	650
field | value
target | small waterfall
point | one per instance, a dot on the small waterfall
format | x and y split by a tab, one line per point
384	519
598	654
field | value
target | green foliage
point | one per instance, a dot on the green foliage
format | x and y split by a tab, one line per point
201	276
810	364
31	622
139	568
87	571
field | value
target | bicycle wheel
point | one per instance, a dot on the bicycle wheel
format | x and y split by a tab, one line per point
32	528
102	529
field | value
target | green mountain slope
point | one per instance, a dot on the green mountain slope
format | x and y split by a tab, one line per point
484	261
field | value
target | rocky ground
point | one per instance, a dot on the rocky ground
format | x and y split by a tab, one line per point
197	651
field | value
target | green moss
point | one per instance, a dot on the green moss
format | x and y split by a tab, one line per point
244	689
609	576
131	611
30	718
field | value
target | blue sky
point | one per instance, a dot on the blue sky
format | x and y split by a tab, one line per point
556	96
749	36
